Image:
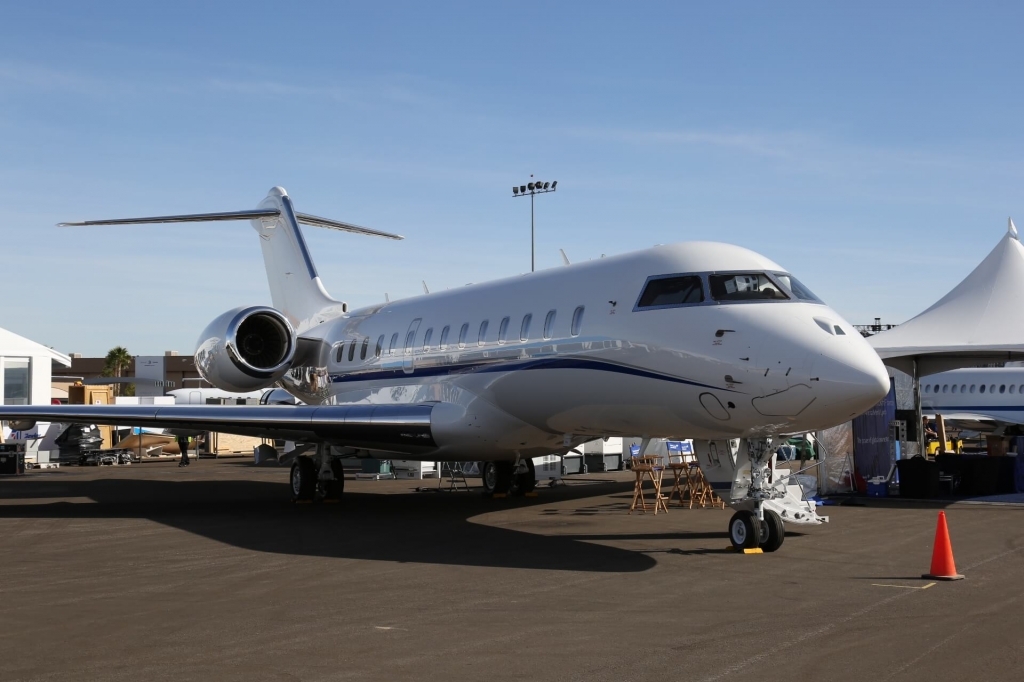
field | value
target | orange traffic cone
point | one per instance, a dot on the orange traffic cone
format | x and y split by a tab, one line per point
943	567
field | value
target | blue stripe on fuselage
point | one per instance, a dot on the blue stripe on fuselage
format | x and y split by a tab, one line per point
489	366
968	409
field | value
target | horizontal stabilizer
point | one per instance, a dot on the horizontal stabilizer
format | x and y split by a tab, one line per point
252	214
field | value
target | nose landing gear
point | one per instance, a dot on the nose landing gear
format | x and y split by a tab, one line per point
758	528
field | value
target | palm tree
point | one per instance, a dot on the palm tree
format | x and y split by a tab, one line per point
117	361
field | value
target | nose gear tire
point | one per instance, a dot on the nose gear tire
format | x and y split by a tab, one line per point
744	531
773	531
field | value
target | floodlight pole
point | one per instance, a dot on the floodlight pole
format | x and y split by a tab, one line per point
533	188
533	248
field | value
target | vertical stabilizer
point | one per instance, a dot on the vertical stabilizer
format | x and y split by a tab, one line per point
295	286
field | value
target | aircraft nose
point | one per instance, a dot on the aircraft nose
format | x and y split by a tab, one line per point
852	382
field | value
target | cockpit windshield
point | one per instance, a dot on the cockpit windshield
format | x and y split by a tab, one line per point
795	288
752	286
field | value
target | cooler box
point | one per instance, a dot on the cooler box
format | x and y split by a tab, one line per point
878	489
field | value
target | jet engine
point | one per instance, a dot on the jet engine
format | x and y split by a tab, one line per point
246	349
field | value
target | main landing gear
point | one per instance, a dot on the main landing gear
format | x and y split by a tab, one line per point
509	478
319	477
758	528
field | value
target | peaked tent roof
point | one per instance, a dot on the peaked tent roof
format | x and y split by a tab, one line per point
979	321
12	344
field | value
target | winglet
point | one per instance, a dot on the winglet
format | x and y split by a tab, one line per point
1011	228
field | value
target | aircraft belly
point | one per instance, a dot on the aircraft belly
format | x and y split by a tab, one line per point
580	401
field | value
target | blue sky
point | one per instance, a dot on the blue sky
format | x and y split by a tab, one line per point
872	149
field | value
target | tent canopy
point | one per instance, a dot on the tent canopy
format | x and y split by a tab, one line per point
12	345
978	322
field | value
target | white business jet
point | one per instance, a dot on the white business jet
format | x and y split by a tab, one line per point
697	340
981	399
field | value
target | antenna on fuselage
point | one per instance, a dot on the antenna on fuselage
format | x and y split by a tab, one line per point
565	259
425	289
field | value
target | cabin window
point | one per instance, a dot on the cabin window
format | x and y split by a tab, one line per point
1021	389
549	324
503	330
444	337
839	331
352	351
972	388
362	351
1013	388
577	321
1002	388
483	333
409	338
963	388
426	339
992	388
752	286
524	330
794	287
339	355
665	291
463	333
981	389
945	388
954	389
393	344
380	346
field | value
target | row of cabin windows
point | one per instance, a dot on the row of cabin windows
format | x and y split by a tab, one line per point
442	344
963	388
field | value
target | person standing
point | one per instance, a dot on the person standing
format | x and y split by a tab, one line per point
183	447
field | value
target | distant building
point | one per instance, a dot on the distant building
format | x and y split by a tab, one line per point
157	374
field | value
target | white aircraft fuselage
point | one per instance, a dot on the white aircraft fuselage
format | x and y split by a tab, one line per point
709	370
995	393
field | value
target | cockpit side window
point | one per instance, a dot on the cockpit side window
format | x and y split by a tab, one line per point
668	291
747	286
795	287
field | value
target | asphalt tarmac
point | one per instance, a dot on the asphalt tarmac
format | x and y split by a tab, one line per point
151	572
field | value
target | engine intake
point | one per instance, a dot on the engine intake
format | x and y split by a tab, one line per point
246	349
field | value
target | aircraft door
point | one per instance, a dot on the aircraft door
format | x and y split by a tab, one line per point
410	345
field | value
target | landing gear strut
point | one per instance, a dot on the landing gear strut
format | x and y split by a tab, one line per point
508	478
320	476
760	527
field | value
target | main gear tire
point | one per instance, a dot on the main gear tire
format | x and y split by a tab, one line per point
303	479
335	489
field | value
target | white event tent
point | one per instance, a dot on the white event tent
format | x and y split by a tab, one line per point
25	370
976	323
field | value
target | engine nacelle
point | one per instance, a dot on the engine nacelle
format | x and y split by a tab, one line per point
246	349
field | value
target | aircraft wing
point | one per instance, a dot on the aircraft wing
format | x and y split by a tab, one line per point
397	428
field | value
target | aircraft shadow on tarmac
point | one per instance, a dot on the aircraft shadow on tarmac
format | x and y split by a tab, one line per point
255	515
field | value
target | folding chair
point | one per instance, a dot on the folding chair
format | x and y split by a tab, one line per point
456	475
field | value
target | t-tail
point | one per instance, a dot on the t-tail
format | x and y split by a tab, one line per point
295	286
